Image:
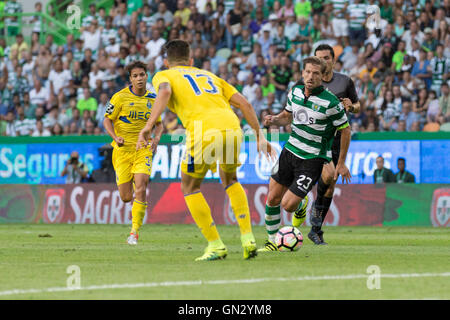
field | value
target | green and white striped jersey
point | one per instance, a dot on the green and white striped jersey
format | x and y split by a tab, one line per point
11	8
357	13
315	120
338	5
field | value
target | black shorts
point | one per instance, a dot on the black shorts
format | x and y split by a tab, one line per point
299	175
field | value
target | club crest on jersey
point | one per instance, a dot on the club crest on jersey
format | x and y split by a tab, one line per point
149	104
131	103
315	107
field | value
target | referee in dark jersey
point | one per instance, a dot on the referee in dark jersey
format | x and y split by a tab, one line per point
342	87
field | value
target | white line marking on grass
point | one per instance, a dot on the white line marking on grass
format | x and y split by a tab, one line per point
215	282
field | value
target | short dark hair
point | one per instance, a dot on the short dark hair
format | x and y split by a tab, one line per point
177	50
324	47
315	61
401	159
136	65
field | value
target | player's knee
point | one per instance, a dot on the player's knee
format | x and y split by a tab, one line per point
322	186
328	179
290	205
188	189
140	192
273	200
126	197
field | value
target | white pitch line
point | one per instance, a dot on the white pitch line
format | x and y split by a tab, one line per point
215	282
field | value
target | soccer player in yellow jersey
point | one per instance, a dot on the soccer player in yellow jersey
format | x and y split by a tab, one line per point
213	134
127	113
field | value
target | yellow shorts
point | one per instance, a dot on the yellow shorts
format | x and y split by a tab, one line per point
127	163
203	153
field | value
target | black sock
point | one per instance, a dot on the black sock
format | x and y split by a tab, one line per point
320	205
325	207
316	214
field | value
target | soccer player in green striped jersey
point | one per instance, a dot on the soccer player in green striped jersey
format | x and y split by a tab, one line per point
315	114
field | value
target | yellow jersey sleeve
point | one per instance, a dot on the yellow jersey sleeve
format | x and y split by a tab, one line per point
114	107
158	79
228	89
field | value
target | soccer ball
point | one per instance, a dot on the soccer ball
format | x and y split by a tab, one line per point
289	239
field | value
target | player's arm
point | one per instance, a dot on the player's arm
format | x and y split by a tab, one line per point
341	168
109	127
161	101
239	101
112	111
340	122
159	128
351	103
282	119
351	107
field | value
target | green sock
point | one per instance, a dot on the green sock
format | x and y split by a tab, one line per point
273	221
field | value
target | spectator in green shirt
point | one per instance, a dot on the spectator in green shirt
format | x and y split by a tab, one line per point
88	103
266	87
264	7
386	11
133	5
397	58
2	23
303	8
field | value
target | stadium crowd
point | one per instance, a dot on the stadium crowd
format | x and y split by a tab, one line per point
401	73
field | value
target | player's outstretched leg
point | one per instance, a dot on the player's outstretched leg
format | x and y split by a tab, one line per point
273	214
201	213
139	208
273	222
137	213
319	210
299	215
239	204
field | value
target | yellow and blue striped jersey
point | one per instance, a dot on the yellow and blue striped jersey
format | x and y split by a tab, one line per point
129	113
199	95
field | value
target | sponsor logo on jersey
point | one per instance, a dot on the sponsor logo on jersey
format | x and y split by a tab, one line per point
301	116
141	115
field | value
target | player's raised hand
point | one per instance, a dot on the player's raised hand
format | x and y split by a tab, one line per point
341	169
268	120
119	140
348	105
155	142
143	138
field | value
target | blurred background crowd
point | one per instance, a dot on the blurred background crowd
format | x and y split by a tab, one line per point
401	73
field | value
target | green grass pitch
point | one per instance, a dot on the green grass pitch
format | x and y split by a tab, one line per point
31	259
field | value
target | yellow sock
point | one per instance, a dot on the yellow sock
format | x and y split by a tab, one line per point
138	213
239	204
201	213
